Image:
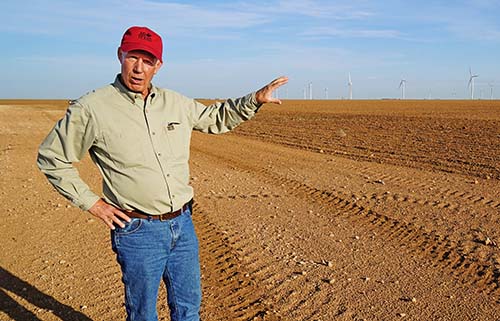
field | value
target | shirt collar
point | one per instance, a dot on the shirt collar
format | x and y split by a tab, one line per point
131	95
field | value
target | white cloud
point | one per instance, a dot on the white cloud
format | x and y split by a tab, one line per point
351	33
322	9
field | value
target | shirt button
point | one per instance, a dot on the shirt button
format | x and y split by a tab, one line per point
159	154
154	133
168	175
173	196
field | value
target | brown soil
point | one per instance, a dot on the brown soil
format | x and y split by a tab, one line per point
314	210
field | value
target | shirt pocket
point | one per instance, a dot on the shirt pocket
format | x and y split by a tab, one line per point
178	136
124	148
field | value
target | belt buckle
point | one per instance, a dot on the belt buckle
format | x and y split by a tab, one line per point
162	218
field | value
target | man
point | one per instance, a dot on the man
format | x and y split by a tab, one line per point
138	135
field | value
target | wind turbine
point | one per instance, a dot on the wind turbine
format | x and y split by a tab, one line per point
326	93
350	87
471	83
402	85
491	91
310	90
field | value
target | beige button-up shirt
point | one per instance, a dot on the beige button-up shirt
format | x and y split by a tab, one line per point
141	147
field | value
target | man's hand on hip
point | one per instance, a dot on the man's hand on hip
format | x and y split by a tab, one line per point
109	214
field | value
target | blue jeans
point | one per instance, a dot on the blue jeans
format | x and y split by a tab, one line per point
151	250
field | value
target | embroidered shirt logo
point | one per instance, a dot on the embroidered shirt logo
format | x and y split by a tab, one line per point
171	126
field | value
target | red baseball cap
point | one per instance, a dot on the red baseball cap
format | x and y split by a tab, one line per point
142	38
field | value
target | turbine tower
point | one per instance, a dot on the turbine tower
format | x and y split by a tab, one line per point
402	85
471	83
491	91
350	87
326	93
310	90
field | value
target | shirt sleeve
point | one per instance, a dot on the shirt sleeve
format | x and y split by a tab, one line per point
68	142
222	117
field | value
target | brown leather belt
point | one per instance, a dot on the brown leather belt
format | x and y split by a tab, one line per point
161	217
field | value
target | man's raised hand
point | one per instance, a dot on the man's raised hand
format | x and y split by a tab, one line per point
265	94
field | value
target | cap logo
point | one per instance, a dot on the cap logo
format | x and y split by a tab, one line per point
145	36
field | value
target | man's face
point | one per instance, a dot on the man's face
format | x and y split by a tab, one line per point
138	69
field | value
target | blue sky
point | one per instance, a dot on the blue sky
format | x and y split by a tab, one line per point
63	49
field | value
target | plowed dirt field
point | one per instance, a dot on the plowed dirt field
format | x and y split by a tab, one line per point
313	210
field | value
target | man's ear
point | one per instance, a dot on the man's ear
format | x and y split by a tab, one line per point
158	66
119	54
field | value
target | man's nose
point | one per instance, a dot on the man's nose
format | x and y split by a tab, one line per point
139	65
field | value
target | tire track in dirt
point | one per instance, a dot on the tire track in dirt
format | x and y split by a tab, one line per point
441	197
223	273
459	197
455	199
464	264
